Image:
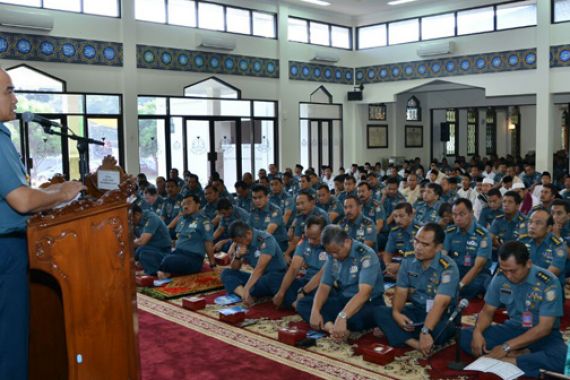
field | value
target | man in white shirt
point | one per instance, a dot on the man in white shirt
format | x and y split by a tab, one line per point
328	178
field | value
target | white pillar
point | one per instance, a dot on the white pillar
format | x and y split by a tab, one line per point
130	87
544	106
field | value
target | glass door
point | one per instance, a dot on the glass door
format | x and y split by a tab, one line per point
45	152
198	149
225	159
323	148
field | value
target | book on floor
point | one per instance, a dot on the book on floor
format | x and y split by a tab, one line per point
228	299
504	370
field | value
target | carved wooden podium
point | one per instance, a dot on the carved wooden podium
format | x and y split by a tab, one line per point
83	295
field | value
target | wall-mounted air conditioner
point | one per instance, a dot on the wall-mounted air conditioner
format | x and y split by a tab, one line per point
217	42
436	48
26	20
327	57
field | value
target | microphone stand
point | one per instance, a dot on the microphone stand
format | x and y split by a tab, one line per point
457	364
82	146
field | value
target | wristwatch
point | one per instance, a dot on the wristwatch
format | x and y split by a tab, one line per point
342	315
506	347
425	330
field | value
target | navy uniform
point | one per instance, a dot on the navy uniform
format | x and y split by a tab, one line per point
373	210
192	231
530	180
285	202
156	207
362	266
187	191
245	203
388	205
268	284
401	241
427	214
238	213
552	251
488	215
450	197
300	220
14	297
440	278
342	196
507	230
151	254
539	295
333	206
361	229
210	210
171	208
565	235
270	214
292	188
464	248
314	258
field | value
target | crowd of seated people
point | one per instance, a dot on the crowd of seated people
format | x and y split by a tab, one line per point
326	244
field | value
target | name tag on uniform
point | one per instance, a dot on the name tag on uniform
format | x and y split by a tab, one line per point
468	261
322	256
412	274
429	305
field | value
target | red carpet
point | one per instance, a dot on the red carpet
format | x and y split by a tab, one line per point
169	351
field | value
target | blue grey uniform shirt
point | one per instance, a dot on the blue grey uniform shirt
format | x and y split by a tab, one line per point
551	251
12	176
300	220
333	205
263	243
464	248
314	256
362	266
361	229
193	231
152	224
540	293
401	240
507	230
171	208
270	214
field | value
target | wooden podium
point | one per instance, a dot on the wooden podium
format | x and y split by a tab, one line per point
83	297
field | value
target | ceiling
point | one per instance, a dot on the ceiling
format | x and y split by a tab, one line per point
368	7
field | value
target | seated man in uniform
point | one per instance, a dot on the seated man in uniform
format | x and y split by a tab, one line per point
262	252
560	211
229	214
356	225
171	206
470	246
401	239
310	254
329	203
282	199
492	210
153	201
152	241
194	240
430	281
531	337
351	287
508	226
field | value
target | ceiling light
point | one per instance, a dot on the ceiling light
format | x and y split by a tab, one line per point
398	2
319	2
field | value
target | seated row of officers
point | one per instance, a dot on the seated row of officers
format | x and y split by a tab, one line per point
334	274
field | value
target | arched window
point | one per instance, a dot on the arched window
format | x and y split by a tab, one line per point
321	95
212	88
26	78
413	110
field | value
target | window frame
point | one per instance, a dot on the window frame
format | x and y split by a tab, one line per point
454	12
330	25
552	14
225	29
81	8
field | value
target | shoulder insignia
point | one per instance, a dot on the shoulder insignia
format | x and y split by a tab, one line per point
360	249
417	226
522	236
393	229
543	277
480	231
556	240
451	229
502	216
444	263
521	218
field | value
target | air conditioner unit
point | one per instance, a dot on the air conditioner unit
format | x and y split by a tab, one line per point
436	48
217	42
328	57
26	20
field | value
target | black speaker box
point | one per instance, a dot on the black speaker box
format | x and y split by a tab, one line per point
354	95
444	132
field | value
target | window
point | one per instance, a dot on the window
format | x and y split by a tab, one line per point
340	37
490	132
238	20
94	7
516	15
372	36
413	110
561	10
475	21
319	33
182	12
150	10
472	123
64	5
210	16
451	145
403	31
438	26
263	24
297	30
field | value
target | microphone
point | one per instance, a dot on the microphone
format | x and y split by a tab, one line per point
32	117
462	305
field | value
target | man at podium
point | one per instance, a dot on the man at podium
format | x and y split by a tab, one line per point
17	202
